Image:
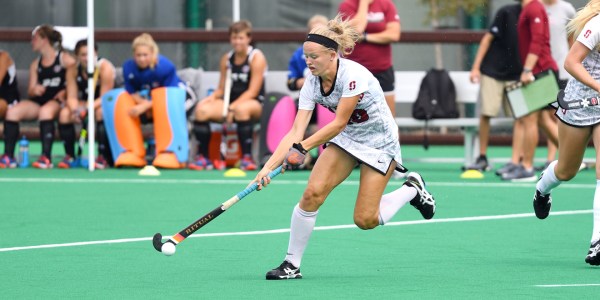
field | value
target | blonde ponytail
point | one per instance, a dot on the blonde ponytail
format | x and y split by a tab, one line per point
590	10
341	32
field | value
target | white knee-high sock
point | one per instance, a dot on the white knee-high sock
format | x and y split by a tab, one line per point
548	180
303	223
392	202
596	228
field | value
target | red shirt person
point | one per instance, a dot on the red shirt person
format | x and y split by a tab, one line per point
534	37
379	24
534	49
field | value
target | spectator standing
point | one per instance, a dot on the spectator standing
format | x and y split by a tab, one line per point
379	25
534	51
496	66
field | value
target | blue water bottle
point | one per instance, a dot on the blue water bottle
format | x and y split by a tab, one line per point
24	152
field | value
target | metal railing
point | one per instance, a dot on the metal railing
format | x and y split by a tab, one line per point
459	36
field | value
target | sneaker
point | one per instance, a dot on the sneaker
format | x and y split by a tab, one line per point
593	257
201	163
67	162
423	201
7	162
101	163
508	167
219	164
247	163
285	271
520	174
541	205
42	163
481	164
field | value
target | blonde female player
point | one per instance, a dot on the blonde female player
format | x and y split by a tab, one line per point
363	132
577	126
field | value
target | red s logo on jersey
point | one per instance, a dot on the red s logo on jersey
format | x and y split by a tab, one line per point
352	85
587	33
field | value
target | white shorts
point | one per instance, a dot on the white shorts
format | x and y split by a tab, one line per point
378	159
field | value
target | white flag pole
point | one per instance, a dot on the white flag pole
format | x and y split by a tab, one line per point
236	10
91	64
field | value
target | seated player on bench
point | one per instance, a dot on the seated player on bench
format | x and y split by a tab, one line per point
247	66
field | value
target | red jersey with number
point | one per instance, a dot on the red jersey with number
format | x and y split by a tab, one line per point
534	36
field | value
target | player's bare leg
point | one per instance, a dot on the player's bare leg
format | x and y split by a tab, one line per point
321	182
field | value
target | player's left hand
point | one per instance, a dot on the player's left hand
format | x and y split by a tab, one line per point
262	178
295	157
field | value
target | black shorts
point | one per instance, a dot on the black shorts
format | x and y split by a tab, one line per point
386	79
9	95
43	100
190	100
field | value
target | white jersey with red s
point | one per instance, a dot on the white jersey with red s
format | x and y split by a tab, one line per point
371	135
588	116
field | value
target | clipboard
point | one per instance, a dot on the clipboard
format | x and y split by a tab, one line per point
525	99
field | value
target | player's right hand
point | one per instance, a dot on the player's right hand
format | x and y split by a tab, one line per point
527	77
475	76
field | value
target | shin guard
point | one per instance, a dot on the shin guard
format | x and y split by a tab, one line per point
170	130
124	132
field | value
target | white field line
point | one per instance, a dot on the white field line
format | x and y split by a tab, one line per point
319	228
566	285
279	182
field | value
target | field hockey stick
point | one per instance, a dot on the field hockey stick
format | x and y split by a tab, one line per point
575	103
183	234
226	101
83	117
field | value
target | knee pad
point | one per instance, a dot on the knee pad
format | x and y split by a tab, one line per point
170	130
123	131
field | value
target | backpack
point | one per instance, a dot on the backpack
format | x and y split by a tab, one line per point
436	99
